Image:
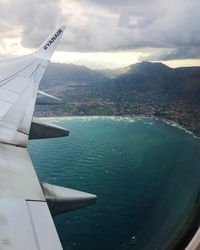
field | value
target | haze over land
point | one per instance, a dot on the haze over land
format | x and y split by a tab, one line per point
142	89
113	35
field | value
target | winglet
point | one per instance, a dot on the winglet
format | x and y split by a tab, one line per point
49	45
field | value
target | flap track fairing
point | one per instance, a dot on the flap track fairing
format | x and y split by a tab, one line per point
42	130
61	200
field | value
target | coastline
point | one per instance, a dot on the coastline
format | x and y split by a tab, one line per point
174	124
189	227
158	118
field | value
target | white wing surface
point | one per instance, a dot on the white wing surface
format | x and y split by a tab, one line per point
25	218
19	81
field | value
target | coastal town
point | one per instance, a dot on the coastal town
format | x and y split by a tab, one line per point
100	96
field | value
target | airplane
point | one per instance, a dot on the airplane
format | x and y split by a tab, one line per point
26	204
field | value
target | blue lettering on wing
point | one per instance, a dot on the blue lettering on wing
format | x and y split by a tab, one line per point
53	38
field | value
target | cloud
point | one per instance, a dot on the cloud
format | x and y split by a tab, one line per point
30	20
168	29
177	53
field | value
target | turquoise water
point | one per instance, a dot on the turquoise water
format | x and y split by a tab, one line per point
145	173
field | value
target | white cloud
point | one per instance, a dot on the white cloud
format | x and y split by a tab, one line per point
164	29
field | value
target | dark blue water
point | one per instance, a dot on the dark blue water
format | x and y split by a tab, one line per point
145	173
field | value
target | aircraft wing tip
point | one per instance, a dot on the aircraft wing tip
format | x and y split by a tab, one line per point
49	45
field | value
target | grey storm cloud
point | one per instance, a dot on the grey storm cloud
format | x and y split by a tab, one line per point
179	53
34	19
171	27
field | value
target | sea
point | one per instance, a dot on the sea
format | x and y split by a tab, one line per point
145	173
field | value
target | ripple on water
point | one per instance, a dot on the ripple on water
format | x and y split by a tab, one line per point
141	171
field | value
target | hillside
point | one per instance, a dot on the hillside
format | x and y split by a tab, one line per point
58	74
147	89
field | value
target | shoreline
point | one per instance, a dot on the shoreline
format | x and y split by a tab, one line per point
190	226
166	121
174	124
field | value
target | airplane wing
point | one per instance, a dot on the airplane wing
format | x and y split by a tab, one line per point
26	205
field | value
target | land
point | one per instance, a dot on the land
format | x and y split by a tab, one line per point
143	89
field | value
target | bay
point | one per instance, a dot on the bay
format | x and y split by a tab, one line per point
145	173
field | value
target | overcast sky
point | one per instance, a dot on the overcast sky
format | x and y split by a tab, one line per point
105	33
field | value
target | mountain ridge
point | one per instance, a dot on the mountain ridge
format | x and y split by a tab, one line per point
146	88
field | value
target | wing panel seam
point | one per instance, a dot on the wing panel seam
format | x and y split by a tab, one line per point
33	227
14	75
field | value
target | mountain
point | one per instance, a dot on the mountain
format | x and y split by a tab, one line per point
61	74
149	77
148	89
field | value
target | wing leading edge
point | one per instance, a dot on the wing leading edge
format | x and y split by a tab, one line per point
25	219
